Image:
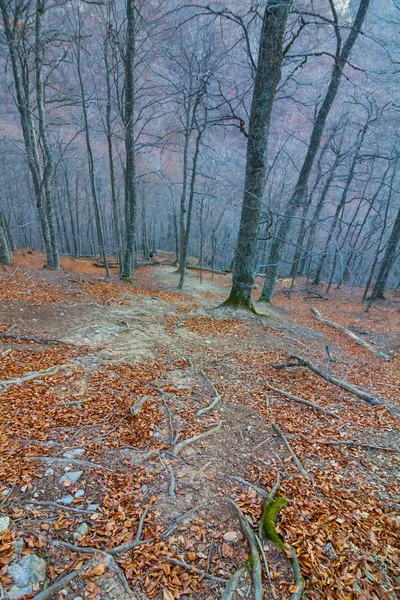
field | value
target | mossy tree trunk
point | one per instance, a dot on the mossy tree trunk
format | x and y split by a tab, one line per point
267	77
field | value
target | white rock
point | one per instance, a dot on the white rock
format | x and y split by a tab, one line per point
81	531
67	499
70	478
92	507
4	523
74	453
79	494
231	536
49	472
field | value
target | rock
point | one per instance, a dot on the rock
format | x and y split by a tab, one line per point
79	494
6	492
16	593
81	531
4	523
231	536
144	488
70	478
93	507
74	453
49	472
78	598
330	551
67	499
30	569
18	547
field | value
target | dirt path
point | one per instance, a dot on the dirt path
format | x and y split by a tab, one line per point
175	349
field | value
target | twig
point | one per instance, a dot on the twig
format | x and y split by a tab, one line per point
289	448
259	490
47	593
73	461
302	362
193	568
136	542
178	447
352	444
255	558
137	407
301	401
217	397
177	522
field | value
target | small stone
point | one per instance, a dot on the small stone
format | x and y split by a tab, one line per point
6	492
16	593
144	488
74	453
70	478
79	494
4	523
231	536
67	499
81	531
30	569
64	592
330	551
92	507
78	598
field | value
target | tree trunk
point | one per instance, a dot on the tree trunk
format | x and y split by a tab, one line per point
300	191
387	262
130	176
5	250
267	77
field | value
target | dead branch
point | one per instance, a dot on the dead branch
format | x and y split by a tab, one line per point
73	461
48	592
303	362
32	338
259	490
217	397
350	334
137	407
255	557
326	412
233	584
179	447
195	569
6	383
289	448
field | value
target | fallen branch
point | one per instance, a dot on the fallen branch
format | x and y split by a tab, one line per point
32	338
289	448
302	362
47	593
326	412
350	334
73	461
6	383
217	398
179	447
254	553
195	569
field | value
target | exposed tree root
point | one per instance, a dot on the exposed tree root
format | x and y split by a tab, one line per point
177	522
31	338
137	407
303	362
259	490
217	398
326	412
179	447
352	444
349	333
74	461
48	592
254	559
195	569
289	448
136	541
56	505
6	383
233	583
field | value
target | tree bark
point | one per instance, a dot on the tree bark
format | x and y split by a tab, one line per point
300	192
387	262
267	77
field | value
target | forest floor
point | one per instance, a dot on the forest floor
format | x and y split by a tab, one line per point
71	438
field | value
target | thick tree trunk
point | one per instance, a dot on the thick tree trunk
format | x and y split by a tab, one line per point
267	78
300	191
130	185
387	262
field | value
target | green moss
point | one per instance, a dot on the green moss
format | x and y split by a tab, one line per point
268	519
126	278
238	301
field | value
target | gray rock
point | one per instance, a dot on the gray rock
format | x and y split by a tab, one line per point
330	551
67	499
49	472
6	492
18	547
79	494
81	531
74	453
78	598
73	477
16	593
4	523
144	488
93	507
30	569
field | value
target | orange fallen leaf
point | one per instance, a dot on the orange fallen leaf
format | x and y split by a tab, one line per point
99	570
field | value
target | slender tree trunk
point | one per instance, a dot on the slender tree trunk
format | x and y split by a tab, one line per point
71	216
130	186
300	191
387	262
268	75
5	250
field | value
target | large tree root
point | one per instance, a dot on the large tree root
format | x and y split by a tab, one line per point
350	334
6	383
303	362
326	412
32	338
217	398
195	569
179	447
74	461
290	450
48	592
233	583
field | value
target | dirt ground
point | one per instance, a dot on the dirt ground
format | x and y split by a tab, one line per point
179	352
